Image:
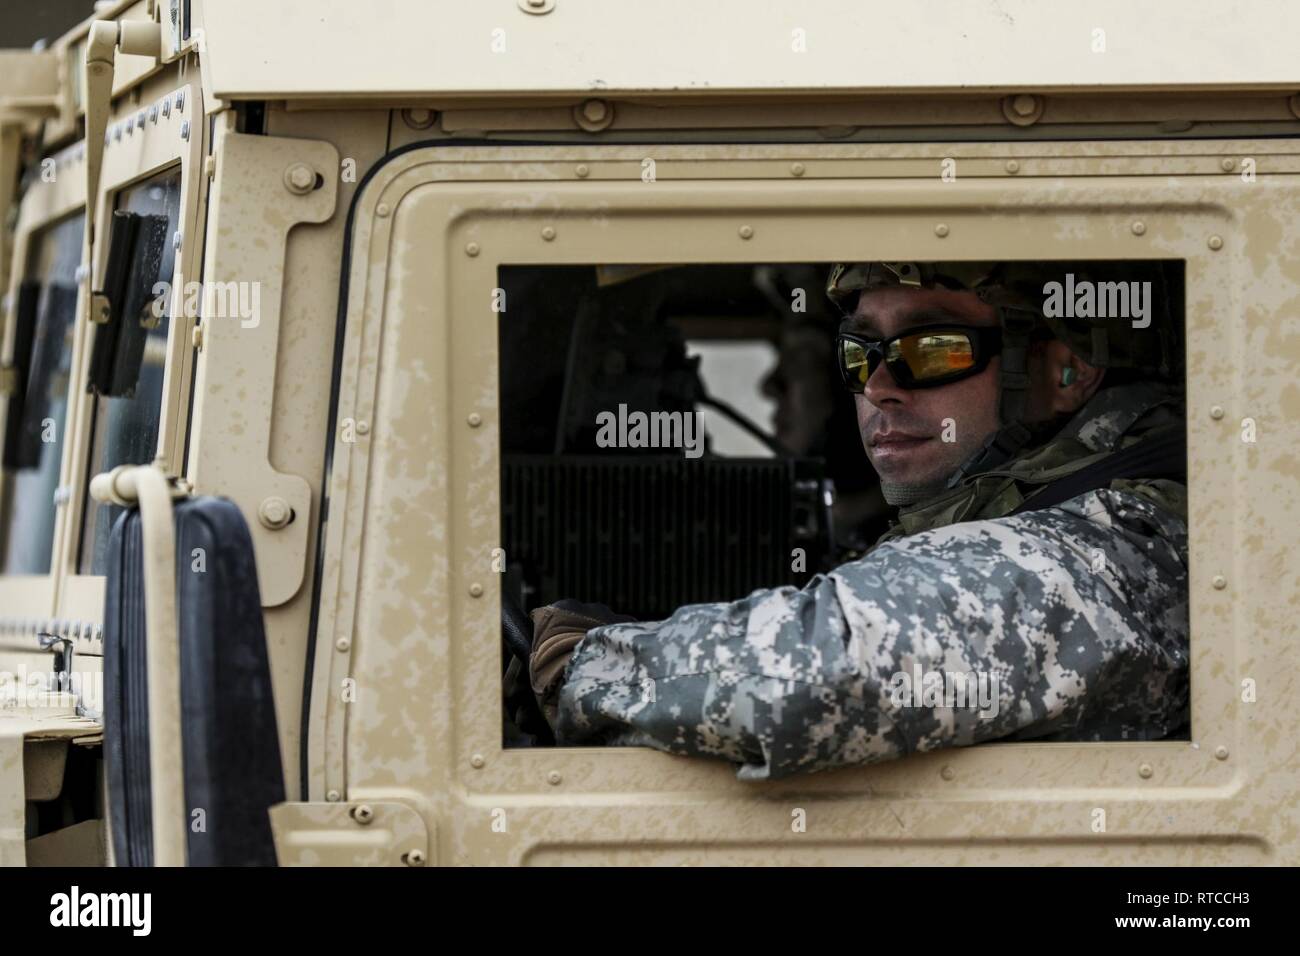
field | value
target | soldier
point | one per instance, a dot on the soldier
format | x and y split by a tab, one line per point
1039	561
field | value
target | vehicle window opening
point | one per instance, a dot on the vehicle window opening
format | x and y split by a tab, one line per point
675	434
46	315
126	419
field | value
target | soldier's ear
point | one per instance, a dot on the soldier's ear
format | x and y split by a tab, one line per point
1073	380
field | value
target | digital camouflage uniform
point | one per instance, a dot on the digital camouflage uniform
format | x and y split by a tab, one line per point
1077	615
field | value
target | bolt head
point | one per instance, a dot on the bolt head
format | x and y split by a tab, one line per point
363	814
418	118
1219	582
413	858
941	230
1216	412
1145	771
1221	753
553	777
595	111
746	232
301	178
477	761
1013	166
1139	228
1215	243
274	512
1024	104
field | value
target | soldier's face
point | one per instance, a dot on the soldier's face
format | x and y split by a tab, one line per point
917	438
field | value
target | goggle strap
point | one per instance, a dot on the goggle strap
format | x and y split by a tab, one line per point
1100	346
1017	327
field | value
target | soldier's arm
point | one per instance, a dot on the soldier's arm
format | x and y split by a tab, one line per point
1073	621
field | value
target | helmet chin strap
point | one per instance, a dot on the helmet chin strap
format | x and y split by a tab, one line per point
909	493
1017	325
1002	445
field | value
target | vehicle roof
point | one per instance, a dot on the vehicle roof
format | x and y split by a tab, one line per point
382	48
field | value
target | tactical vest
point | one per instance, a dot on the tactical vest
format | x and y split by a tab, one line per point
1117	419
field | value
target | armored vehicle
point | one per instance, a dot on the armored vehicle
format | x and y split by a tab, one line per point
326	328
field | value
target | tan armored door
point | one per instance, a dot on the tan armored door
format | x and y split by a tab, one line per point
407	675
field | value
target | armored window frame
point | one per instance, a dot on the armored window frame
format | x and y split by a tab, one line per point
141	144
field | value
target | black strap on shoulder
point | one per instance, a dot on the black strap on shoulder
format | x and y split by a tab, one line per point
1017	326
1160	456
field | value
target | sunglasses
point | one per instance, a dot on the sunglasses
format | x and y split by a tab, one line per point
919	358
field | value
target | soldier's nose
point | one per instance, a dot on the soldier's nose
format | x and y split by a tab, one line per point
881	388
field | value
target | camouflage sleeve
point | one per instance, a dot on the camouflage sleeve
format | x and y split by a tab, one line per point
1068	622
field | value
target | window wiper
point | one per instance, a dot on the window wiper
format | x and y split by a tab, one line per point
135	254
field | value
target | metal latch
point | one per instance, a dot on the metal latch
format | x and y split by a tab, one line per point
62	647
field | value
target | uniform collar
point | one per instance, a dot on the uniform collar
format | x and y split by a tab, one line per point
1109	414
1094	430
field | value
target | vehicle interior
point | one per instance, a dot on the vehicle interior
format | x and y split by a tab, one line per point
781	491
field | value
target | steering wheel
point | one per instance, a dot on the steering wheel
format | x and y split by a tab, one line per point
517	640
516	630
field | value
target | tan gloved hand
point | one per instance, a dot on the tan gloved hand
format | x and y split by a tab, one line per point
557	629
